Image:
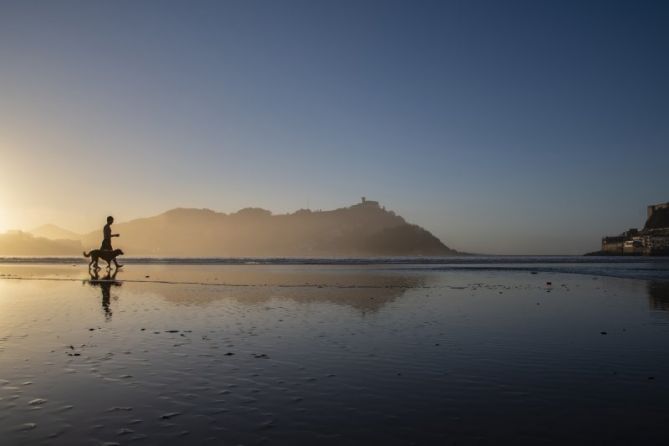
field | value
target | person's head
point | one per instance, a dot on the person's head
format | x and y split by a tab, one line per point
110	220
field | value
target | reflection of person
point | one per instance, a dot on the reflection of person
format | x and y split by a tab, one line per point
107	235
105	285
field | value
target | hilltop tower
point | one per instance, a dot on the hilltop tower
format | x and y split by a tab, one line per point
365	202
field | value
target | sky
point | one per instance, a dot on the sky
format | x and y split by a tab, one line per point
515	127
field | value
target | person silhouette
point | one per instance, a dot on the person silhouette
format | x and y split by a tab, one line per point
107	235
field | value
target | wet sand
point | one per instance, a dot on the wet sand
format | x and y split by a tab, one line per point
169	354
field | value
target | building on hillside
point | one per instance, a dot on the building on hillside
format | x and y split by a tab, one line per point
657	244
613	245
365	202
653	239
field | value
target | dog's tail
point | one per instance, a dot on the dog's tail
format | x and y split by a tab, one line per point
87	254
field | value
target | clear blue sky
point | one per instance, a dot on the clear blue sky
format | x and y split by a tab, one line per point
502	127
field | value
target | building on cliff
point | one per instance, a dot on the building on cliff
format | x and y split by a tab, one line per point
653	239
365	202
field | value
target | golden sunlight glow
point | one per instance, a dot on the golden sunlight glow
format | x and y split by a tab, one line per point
4	213
3	220
3	201
5	206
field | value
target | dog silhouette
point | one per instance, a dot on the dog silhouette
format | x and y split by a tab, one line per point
107	256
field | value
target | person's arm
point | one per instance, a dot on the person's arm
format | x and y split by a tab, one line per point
115	235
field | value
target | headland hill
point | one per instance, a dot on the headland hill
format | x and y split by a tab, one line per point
365	229
651	240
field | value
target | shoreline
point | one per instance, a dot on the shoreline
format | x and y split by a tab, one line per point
642	268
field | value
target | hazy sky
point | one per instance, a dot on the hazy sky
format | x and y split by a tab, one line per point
500	126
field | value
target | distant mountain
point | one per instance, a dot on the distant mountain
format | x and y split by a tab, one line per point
54	232
364	229
18	243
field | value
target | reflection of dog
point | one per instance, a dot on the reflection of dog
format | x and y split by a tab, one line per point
107	256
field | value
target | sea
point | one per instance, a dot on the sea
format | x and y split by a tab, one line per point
650	268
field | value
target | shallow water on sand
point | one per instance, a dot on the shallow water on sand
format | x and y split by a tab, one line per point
330	354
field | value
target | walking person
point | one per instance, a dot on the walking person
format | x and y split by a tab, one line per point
107	235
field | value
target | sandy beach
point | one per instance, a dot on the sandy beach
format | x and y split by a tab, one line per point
330	354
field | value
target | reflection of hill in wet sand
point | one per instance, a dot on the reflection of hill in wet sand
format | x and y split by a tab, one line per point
366	293
362	289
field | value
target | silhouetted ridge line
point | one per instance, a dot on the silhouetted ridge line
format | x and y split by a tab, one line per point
362	230
19	243
365	229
